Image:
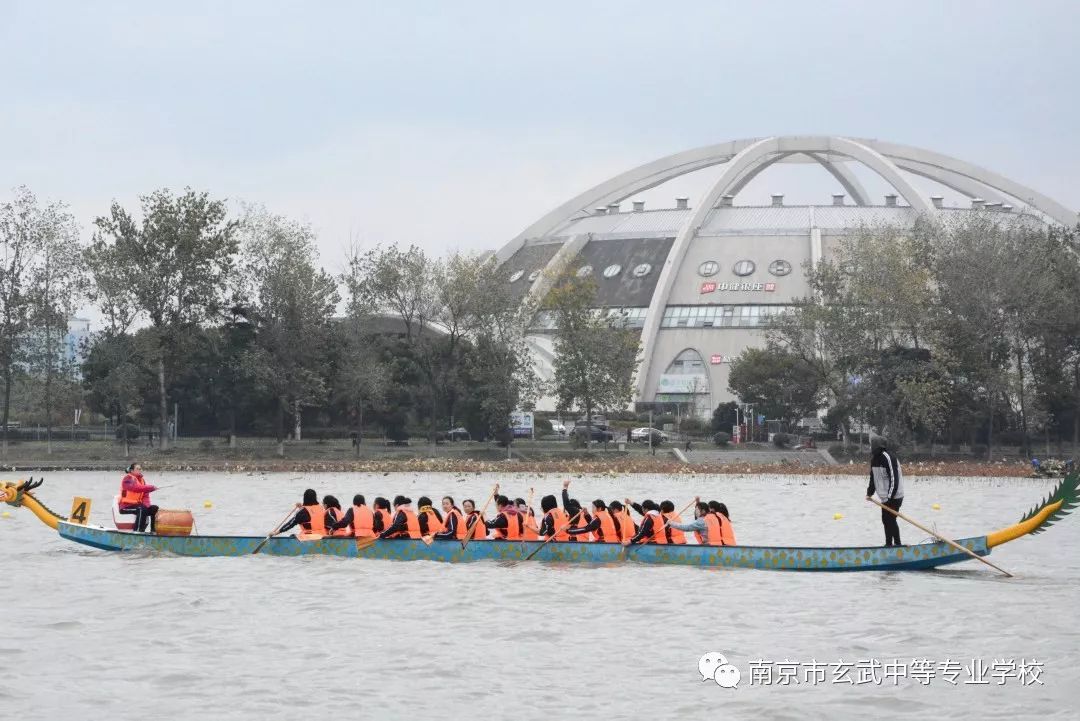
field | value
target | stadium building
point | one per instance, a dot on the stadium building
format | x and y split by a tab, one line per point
699	278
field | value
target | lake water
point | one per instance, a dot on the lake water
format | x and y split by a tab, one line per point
94	635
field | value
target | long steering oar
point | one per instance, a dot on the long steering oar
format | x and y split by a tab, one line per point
552	536
270	535
952	543
472	529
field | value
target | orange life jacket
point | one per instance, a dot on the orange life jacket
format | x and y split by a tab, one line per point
314	529
434	525
363	521
131	498
674	535
481	530
727	531
606	533
659	532
531	531
412	523
336	516
559	521
461	528
712	525
626	525
513	529
581	522
384	516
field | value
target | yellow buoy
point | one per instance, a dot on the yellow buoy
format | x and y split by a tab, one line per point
207	504
837	516
5	514
936	507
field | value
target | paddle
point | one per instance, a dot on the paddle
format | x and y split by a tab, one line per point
270	535
528	510
472	529
552	536
952	543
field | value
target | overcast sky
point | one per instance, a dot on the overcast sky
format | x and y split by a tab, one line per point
456	124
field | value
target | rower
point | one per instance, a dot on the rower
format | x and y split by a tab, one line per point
602	525
472	517
508	524
430	520
651	529
382	516
624	524
555	521
311	517
674	535
359	518
135	498
454	525
705	526
727	531
334	515
579	517
405	523
530	531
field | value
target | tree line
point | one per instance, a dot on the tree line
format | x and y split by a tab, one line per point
958	331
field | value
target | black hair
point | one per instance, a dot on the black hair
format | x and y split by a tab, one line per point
311	498
667	507
468	500
573	507
547	503
722	508
702	508
381	502
615	506
451	499
501	501
401	500
331	502
714	506
423	501
519	501
648	505
599	504
358	500
132	466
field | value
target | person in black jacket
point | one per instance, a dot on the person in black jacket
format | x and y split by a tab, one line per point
887	481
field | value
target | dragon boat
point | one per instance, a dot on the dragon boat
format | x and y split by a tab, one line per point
789	558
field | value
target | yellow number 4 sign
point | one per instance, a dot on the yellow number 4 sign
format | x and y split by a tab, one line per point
80	510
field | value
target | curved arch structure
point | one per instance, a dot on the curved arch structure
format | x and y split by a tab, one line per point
745	159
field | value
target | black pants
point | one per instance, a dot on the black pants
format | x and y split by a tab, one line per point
142	514
891	522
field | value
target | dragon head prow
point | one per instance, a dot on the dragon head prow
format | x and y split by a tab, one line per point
1064	498
12	492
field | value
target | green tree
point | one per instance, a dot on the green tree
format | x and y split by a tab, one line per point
175	264
779	383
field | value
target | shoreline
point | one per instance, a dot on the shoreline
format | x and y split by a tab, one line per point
595	466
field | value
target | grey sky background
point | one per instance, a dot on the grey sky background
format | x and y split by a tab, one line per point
456	124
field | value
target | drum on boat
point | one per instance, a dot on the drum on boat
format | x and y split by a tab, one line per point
174	523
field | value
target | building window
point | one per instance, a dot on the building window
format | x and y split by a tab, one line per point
719	316
780	267
744	268
516	276
640	271
584	271
708	269
533	276
612	270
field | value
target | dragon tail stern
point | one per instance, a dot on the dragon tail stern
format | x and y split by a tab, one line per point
1061	501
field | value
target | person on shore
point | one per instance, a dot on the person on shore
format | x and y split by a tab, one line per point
674	534
454	525
359	518
430	520
382	516
601	527
135	499
405	523
311	518
652	528
887	481
473	517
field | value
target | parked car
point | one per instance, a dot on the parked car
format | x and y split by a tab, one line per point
558	427
641	435
599	434
458	434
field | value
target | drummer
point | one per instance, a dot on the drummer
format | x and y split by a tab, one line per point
135	499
